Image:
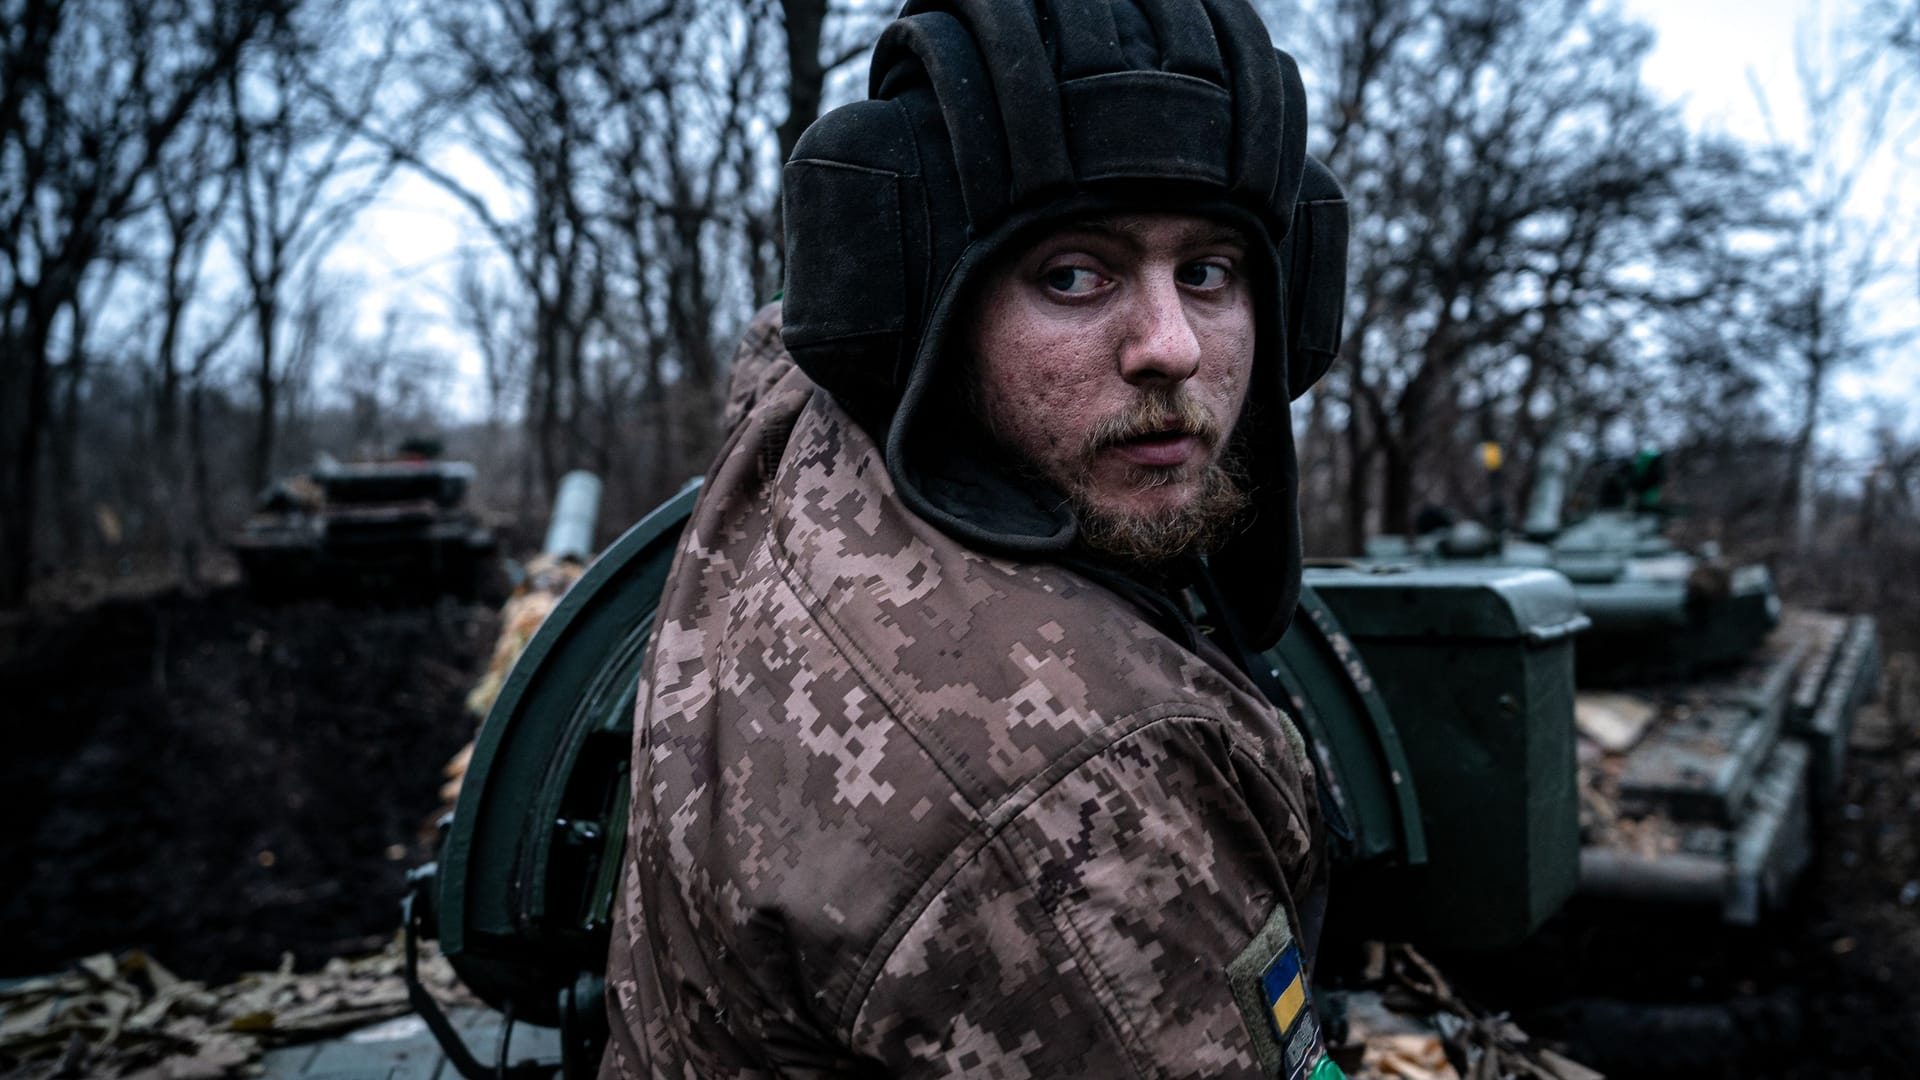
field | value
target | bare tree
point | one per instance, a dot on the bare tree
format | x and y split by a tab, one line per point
513	85
1835	256
488	312
1896	25
1890	493
629	179
683	191
495	315
300	177
1514	183
817	45
70	378
387	386
193	192
91	95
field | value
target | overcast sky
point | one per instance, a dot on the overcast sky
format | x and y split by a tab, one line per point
1706	48
1711	54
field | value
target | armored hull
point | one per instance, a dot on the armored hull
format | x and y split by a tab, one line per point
391	531
1707	792
1713	724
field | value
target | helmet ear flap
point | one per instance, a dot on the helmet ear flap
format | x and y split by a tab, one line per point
1316	276
852	196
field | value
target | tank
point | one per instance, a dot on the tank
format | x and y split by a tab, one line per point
1712	722
396	530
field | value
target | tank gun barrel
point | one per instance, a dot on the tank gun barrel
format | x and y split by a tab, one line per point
1549	486
576	509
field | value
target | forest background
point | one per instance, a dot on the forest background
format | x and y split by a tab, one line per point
1544	247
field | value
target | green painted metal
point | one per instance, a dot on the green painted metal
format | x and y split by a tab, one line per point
1453	603
529	863
1704	770
1658	612
1354	740
1673	617
1824	710
1475	665
383	530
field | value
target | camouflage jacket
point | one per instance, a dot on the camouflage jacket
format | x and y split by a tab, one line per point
903	809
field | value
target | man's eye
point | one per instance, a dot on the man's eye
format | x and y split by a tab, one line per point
1072	280
1203	275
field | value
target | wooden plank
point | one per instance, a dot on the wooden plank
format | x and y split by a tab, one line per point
403	1049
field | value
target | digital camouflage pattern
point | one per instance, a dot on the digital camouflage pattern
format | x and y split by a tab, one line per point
901	808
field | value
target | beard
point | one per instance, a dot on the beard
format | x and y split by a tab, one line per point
1199	526
1141	538
1150	537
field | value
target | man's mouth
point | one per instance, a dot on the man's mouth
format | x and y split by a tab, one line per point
1161	432
1162	449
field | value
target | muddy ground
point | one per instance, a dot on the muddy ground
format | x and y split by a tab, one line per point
220	782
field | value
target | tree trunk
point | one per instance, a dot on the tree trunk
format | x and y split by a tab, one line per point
1403	437
1797	496
1869	508
266	389
25	415
805	73
806	76
170	486
69	504
545	386
1396	488
1359	470
197	452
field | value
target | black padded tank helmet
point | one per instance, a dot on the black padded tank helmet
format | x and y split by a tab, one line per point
986	120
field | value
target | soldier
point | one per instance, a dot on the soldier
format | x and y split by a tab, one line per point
947	759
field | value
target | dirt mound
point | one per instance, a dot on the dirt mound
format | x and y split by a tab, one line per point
218	782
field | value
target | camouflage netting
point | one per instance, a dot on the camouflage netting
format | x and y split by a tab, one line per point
128	1016
547	580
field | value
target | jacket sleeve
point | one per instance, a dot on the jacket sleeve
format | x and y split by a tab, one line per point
1099	929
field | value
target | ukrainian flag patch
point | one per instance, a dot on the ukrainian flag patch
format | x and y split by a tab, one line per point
1269	981
1285	987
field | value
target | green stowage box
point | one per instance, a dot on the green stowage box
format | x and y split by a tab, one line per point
1475	665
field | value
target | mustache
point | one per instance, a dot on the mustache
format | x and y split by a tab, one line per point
1168	411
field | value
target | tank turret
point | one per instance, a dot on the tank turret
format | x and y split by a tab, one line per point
388	530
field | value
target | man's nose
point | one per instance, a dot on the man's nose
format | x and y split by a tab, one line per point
1162	344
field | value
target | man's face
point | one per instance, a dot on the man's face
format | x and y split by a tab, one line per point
1112	357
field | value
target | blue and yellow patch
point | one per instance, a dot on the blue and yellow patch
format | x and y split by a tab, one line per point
1284	985
1269	981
